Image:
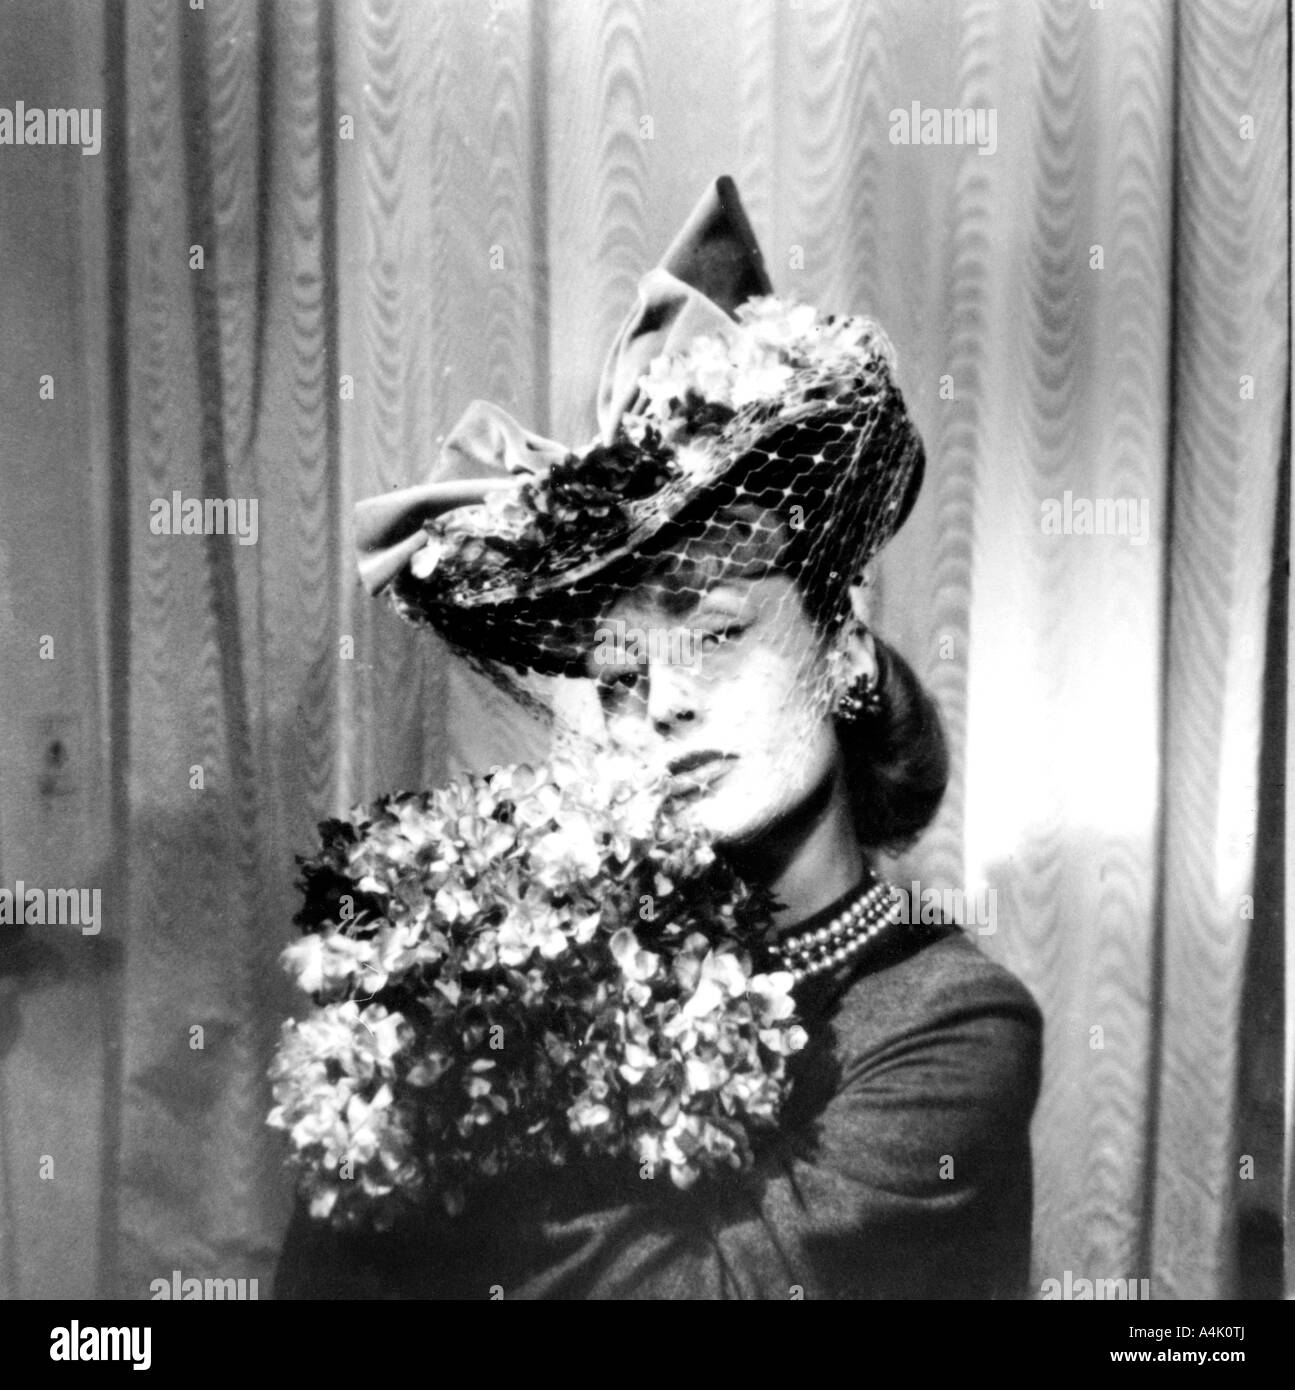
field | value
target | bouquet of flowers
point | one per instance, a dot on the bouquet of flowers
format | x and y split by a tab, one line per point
523	968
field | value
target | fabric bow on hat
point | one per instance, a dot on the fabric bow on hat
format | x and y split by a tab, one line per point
713	266
484	453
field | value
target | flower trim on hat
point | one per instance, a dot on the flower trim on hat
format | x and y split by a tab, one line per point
698	410
780	353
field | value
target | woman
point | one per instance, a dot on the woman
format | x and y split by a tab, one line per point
702	568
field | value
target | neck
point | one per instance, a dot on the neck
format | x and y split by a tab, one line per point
808	861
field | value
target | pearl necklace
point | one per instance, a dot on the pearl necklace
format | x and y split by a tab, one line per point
843	938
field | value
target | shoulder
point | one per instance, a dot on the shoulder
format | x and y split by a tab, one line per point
936	1006
931	1062
941	968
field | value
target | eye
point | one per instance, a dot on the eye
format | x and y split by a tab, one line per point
616	686
711	641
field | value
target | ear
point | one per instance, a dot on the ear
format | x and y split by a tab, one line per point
858	649
860	592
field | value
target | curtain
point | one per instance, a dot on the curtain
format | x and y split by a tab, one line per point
321	227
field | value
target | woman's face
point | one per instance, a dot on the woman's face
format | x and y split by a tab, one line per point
717	687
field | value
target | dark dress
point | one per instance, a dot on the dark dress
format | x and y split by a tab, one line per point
901	1170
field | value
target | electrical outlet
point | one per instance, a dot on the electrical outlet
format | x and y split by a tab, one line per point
59	753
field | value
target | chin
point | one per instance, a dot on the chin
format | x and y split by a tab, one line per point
740	812
733	817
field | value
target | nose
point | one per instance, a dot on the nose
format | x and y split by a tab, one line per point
671	698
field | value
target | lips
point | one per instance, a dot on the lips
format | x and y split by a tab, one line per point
705	758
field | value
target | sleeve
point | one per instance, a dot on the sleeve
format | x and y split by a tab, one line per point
913	1182
318	1262
919	1185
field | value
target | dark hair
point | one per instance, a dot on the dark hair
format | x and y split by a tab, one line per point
897	760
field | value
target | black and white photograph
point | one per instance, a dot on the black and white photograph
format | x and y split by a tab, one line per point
645	658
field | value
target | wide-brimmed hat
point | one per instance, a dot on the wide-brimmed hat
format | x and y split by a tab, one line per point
715	394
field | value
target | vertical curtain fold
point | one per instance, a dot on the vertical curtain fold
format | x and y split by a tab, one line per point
1230	368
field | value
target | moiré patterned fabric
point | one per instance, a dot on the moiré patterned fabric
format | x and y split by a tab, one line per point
405	206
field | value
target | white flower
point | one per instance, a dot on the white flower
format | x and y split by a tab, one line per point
705	999
784	1040
425	561
304	959
322	1202
764	383
583	927
635	964
695	461
455	903
725	971
504	512
586	1114
759	360
772	995
698	1075
327	963
388	1032
570	851
639	1060
531	928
